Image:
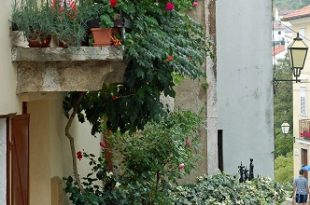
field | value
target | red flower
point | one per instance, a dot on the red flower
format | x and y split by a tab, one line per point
113	3
79	155
169	58
169	6
114	97
103	144
181	167
195	3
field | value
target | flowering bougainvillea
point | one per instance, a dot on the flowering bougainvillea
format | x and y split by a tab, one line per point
153	39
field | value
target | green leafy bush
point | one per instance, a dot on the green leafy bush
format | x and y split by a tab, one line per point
159	45
224	189
152	161
284	168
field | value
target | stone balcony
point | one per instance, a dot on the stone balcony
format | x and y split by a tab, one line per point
67	69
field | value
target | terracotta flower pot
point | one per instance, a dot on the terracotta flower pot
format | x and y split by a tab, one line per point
102	36
40	42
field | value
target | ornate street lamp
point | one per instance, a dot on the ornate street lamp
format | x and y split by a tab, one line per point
285	127
298	52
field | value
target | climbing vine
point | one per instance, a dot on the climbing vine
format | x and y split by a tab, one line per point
162	41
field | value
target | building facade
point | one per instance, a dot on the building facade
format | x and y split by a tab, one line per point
32	123
244	84
300	20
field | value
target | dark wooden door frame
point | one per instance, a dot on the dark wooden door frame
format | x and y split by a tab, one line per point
304	159
9	144
7	117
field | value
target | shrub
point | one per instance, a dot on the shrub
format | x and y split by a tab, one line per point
153	159
225	189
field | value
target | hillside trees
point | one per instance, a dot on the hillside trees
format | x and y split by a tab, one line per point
283	104
290	4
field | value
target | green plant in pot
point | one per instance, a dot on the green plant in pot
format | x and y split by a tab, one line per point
35	22
103	35
68	31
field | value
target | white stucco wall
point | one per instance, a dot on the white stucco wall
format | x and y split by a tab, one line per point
9	102
245	96
2	160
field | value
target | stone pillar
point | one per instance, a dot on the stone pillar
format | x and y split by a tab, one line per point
211	112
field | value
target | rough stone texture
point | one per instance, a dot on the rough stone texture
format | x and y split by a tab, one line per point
212	148
192	95
60	69
56	54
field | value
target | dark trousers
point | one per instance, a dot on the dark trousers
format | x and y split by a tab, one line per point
301	198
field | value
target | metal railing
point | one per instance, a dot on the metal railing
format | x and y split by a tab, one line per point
304	128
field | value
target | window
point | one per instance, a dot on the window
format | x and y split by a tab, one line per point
303	95
220	149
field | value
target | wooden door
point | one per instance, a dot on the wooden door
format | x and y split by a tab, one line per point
19	160
304	160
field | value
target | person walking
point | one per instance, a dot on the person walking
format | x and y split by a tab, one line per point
301	189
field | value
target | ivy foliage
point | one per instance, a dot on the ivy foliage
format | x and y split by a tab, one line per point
225	189
159	45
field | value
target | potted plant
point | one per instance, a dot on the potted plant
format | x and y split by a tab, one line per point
68	30
35	22
103	35
38	22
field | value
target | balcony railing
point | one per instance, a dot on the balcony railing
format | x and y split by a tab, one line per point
304	128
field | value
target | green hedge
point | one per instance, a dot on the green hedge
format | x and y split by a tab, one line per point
225	189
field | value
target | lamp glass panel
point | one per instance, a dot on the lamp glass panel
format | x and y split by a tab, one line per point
285	128
298	44
298	57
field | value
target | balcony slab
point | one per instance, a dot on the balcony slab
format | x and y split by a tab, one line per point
67	69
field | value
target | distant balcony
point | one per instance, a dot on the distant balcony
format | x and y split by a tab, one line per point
304	128
67	69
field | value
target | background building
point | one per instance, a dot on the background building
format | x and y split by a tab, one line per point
300	20
244	84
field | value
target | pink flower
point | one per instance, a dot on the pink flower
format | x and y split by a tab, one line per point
169	6
103	144
169	58
195	3
79	155
181	167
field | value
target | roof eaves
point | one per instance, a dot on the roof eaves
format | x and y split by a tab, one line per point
295	17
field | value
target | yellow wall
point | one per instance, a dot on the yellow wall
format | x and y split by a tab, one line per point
40	156
49	148
300	143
